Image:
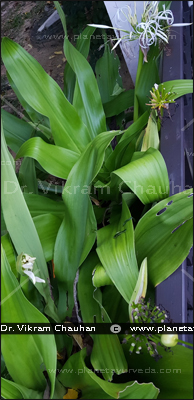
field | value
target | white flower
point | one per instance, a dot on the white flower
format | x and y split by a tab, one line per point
152	27
27	267
26	258
156	86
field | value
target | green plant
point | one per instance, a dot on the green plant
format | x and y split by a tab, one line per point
120	196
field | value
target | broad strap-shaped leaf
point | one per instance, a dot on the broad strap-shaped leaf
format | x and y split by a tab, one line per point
47	226
34	115
17	348
77	231
16	130
175	367
125	148
178	86
119	104
148	76
112	359
45	96
158	239
39	205
146	175
92	386
115	305
83	46
88	97
116	250
9	251
54	159
27	176
12	390
21	227
107	73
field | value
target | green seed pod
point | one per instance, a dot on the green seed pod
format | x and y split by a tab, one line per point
169	340
100	277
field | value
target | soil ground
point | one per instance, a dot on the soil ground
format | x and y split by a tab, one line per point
20	21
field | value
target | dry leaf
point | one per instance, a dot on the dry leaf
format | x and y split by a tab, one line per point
59	356
95	201
58	52
58	65
71	394
51	57
77	337
64	59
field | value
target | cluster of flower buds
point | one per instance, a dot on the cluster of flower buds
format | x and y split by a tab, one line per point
145	313
160	99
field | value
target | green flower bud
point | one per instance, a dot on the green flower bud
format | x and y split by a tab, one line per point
100	277
169	340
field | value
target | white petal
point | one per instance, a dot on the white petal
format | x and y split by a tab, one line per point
100	26
39	279
31	276
183	24
32	259
116	44
27	265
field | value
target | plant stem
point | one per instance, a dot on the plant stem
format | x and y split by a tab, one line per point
187	343
139	67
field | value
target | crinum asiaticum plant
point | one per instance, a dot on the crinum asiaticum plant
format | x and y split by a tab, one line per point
115	196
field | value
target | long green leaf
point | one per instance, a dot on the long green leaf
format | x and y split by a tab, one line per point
125	148
114	304
148	76
172	374
45	96
83	46
54	159
116	251
157	239
179	87
88	101
27	176
39	205
16	130
11	390
47	226
24	352
77	231
21	227
92	386
107	73
112	359
146	175
121	103
9	251
34	115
